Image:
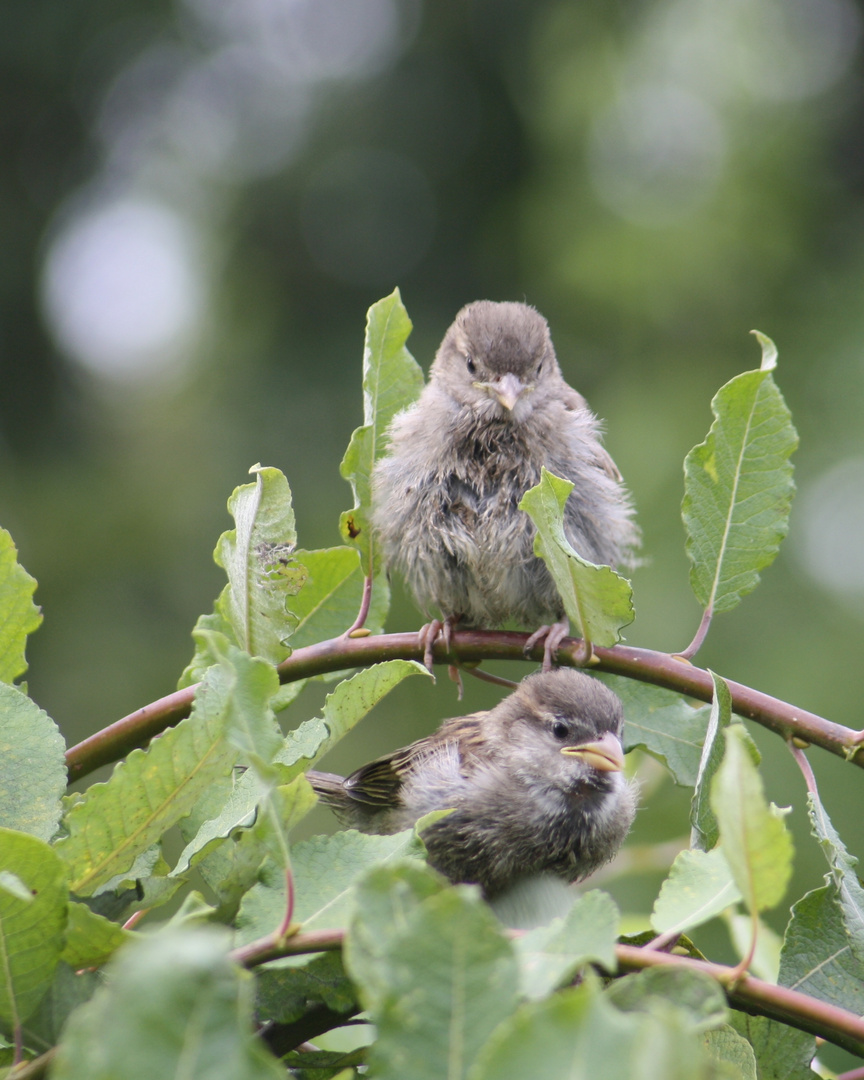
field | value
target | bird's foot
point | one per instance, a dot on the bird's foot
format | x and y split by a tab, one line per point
551	636
429	634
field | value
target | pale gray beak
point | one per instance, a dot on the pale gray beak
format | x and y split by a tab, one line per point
507	390
604	754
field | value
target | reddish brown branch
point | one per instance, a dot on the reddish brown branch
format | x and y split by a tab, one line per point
751	995
342	653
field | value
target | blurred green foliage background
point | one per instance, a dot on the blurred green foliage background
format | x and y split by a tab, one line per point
200	198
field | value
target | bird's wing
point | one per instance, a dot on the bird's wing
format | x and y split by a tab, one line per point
377	784
574	402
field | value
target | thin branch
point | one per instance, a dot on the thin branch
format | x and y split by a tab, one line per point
761	998
338	654
749	994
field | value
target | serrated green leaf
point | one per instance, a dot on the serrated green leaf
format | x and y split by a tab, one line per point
90	938
704	833
151	790
727	1046
698	888
325	870
175	1006
392	380
31	931
19	616
349	702
782	1053
258	557
598	600
738	490
551	955
697	997
450	976
579	1035
663	723
754	840
280	811
850	894
32	766
250	723
817	957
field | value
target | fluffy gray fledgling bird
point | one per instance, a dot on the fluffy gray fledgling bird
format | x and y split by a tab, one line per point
535	785
495	410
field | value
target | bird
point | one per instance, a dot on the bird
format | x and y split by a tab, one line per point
446	493
535	786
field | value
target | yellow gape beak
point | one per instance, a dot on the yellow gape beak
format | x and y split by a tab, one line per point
605	754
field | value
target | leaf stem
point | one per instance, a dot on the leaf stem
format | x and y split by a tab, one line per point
696	644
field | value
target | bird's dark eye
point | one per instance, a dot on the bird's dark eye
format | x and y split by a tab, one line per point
472	367
560	730
539	367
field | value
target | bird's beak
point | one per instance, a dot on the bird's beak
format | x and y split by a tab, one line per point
507	390
605	754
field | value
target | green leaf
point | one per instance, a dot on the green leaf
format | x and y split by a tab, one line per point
258	558
817	957
68	990
32	765
698	888
90	938
753	836
598	600
450	976
19	616
349	702
152	789
284	994
782	1053
329	601
175	1006
551	955
704	832
663	723
392	380
726	1045
697	997
850	894
325	870
31	930
738	489
579	1035
250	723
386	898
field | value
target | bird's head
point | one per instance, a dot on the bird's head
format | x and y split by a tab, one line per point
563	730
498	360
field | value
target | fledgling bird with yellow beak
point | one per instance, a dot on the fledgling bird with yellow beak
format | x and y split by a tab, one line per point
496	410
535	786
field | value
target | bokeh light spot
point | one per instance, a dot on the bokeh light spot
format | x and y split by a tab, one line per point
121	288
655	155
830	528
